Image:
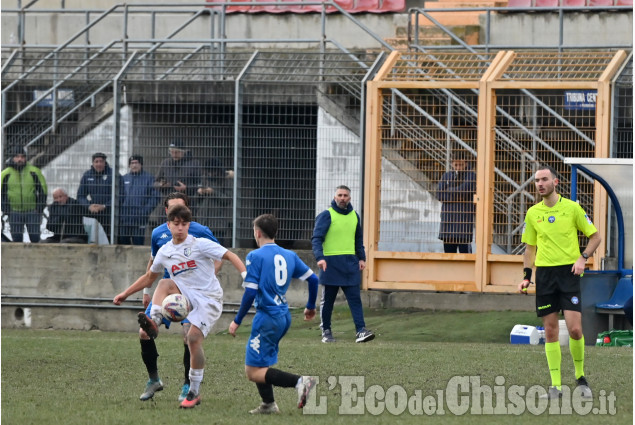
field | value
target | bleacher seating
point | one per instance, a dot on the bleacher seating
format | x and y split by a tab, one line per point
547	3
351	6
574	3
580	4
520	3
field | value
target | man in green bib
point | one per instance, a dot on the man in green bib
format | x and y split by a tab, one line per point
339	250
551	243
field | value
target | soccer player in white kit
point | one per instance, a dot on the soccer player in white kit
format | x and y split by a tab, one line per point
190	263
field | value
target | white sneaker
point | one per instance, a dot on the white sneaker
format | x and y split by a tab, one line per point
265	409
304	388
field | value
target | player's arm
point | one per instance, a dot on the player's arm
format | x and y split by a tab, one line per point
236	262
145	281
528	263
322	224
208	234
245	304
594	242
147	297
309	311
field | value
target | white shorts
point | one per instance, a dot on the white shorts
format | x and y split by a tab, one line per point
207	308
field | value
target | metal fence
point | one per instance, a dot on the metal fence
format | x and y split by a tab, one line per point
237	132
503	115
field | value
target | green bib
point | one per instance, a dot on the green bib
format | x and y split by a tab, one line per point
340	238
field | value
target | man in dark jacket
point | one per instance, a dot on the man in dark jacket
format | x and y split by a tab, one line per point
95	189
138	199
339	250
456	191
66	219
23	195
180	172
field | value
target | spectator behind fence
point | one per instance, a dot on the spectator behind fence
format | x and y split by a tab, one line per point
66	219
181	173
138	198
95	189
456	191
23	195
214	200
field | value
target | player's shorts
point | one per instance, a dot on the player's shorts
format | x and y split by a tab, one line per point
165	321
557	288
266	333
207	307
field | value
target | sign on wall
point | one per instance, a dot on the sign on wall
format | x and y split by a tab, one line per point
579	99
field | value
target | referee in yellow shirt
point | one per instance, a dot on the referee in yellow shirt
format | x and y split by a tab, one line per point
552	226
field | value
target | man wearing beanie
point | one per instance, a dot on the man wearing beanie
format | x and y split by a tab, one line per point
95	189
23	195
139	198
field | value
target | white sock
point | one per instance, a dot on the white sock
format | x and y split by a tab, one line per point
155	312
196	377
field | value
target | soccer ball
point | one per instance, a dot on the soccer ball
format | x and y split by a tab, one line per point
175	307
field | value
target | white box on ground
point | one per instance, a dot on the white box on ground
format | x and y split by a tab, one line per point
523	334
563	333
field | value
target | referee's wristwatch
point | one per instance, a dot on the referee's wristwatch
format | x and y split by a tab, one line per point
585	256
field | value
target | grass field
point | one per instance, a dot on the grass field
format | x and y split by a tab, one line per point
69	377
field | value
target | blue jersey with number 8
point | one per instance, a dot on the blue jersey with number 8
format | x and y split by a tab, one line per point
269	271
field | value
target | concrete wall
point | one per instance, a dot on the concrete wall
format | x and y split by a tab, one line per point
95	274
580	29
585	28
48	29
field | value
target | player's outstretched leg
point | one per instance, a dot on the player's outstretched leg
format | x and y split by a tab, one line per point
304	387
148	325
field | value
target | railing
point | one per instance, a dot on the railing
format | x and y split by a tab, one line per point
414	15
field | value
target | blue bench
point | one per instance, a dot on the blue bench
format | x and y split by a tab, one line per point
615	306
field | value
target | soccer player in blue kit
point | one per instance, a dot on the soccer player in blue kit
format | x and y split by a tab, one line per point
269	272
149	354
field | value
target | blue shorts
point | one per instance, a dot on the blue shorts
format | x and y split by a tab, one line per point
266	333
165	321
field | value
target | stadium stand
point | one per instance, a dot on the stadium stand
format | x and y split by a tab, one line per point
352	6
520	3
574	3
547	3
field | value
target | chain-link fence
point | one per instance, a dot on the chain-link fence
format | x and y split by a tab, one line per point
236	132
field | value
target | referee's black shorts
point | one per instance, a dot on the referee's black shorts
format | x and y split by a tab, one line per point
557	288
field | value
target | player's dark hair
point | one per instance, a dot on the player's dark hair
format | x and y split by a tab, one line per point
346	188
268	224
180	211
177	195
553	172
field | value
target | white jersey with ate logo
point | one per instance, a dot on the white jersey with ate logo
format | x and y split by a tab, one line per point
191	265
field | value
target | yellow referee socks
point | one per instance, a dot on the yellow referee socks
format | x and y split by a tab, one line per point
576	346
554	358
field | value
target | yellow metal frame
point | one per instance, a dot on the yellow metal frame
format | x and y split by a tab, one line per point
483	271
